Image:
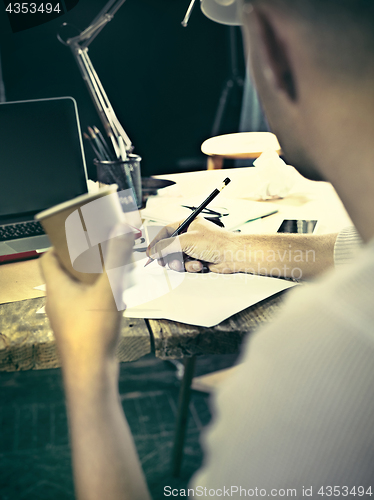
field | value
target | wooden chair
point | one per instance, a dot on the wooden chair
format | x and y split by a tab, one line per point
244	145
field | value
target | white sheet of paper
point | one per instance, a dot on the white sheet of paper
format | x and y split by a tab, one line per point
195	299
43	288
40	287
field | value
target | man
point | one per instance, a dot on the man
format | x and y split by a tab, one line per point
296	418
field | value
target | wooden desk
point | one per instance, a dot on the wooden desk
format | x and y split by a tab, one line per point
27	342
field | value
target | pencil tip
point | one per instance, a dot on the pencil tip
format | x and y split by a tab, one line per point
148	262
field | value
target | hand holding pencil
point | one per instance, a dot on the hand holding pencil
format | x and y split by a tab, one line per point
163	247
201	247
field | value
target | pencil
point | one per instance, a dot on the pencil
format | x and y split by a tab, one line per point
103	142
195	213
98	144
97	153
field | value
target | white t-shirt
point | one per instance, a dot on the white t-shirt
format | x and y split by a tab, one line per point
299	411
347	245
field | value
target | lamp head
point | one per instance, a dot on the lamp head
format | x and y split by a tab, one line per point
223	11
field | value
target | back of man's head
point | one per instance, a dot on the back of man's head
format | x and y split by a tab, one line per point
341	32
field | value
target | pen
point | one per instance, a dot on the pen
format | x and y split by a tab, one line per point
236	228
195	213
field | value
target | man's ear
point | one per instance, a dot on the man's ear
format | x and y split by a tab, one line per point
275	60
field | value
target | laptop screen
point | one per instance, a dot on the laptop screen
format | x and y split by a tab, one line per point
41	156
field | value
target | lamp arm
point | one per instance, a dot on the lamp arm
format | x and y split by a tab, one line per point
78	55
115	124
88	35
110	8
101	20
99	97
188	14
79	47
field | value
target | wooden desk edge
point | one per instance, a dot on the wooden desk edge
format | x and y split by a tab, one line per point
29	344
177	340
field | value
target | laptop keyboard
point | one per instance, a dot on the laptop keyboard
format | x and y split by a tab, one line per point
20	230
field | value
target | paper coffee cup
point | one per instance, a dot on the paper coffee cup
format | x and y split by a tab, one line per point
77	227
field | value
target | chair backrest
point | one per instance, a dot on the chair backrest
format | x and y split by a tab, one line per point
243	145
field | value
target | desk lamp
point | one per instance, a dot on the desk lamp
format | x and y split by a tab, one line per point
79	47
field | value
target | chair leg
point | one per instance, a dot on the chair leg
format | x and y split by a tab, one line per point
214	163
182	414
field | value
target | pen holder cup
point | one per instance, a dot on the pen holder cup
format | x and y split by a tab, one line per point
126	174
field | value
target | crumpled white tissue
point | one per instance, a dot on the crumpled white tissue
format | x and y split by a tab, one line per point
273	178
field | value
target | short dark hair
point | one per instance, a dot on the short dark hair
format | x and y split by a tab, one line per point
342	31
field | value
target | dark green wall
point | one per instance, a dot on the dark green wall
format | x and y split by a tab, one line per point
164	81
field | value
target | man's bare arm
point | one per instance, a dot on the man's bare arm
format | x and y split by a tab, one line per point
86	325
286	255
105	460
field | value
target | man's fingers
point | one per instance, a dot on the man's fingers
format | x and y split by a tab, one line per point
117	251
176	265
221	268
52	271
45	263
165	233
164	248
117	255
186	240
193	266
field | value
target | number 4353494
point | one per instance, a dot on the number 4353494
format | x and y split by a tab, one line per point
344	491
32	8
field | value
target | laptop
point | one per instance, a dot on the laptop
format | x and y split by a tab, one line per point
41	164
